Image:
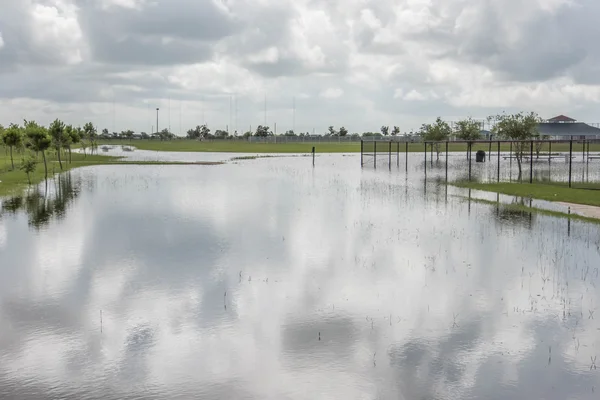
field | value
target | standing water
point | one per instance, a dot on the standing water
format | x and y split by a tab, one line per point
270	279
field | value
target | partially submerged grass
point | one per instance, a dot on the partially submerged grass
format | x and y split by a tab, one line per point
243	146
14	181
549	192
525	208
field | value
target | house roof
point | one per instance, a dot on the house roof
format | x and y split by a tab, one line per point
573	129
562	118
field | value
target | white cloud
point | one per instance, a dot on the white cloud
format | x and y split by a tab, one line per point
425	57
332	93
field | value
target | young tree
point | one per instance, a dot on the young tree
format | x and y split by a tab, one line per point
73	139
57	133
469	131
396	131
517	128
67	140
28	166
204	131
343	131
385	130
332	131
38	140
12	137
436	133
90	133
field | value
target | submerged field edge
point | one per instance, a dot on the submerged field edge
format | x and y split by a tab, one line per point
14	182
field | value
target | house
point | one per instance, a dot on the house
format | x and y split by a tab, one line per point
563	127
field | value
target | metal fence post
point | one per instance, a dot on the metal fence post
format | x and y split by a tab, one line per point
531	162
425	144
361	152
470	161
397	154
549	151
406	156
570	159
446	161
390	154
498	161
375	153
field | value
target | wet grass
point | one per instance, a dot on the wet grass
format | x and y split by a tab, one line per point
549	192
525	208
242	146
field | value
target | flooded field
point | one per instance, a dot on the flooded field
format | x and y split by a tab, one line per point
268	279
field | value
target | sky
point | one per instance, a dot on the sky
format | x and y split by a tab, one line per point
295	64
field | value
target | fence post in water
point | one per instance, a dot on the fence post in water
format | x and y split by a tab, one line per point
549	151
531	162
397	154
361	152
446	161
498	161
374	153
570	159
425	158
390	154
406	156
490	148
313	154
470	158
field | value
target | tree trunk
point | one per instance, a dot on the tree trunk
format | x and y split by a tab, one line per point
11	158
70	160
28	179
59	160
45	165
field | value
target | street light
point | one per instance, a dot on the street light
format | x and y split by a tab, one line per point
157	119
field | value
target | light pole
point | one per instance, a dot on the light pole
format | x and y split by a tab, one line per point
157	119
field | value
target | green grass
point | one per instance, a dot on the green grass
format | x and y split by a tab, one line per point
14	181
549	192
242	146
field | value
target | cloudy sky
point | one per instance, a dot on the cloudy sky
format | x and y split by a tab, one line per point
356	63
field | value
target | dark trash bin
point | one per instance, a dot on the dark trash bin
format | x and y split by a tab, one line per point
480	156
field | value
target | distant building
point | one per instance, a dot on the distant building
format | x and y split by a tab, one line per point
563	127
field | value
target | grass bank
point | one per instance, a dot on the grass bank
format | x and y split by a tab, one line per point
526	209
549	192
242	146
14	181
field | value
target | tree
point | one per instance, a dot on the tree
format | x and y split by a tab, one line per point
38	140
517	128
437	132
204	131
343	131
74	138
129	134
90	133
195	133
396	131
332	131
67	140
289	133
57	133
468	130
262	131
28	166
144	135
385	130
221	134
12	137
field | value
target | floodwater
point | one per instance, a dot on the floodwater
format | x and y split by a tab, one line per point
271	279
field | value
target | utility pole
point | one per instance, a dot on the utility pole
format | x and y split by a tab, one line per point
157	119
265	109
294	114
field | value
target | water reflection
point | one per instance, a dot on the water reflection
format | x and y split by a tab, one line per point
272	279
45	202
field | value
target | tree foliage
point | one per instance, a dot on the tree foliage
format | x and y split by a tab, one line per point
396	131
262	131
468	130
57	134
436	133
385	130
343	131
12	137
38	140
517	128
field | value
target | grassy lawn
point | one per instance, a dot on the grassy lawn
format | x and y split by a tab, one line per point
241	146
13	181
553	192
